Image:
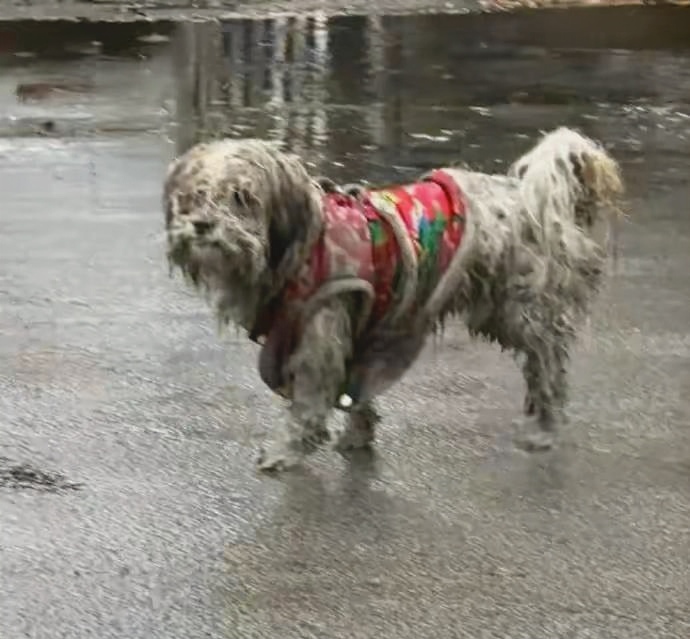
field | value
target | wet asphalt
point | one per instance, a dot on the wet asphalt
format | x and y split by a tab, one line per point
129	503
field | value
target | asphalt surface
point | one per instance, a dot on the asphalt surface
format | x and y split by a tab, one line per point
129	503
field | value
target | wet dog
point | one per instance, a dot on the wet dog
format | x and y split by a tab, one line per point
341	287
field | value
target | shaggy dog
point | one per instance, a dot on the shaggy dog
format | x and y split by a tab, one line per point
342	286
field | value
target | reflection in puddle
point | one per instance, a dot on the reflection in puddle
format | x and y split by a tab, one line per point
36	91
376	96
259	77
319	87
388	96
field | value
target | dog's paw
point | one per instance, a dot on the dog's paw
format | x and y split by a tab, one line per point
278	458
532	438
534	442
359	431
354	439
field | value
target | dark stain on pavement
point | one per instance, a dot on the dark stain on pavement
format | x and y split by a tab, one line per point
23	475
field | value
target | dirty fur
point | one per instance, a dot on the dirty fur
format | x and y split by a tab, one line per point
241	217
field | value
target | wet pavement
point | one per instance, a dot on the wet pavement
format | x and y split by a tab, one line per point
129	505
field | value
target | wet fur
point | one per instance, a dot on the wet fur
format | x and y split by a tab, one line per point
241	216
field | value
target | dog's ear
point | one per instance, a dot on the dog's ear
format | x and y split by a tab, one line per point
295	217
279	240
287	233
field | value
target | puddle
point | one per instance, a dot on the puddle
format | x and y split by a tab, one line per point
385	97
382	95
377	96
70	79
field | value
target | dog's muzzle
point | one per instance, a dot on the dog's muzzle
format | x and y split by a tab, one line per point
183	236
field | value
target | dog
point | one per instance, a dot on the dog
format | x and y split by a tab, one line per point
342	286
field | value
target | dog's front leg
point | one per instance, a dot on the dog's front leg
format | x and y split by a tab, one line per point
359	431
317	369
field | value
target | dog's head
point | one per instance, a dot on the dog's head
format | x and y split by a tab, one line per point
238	214
569	176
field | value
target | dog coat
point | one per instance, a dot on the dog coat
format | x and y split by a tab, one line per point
359	252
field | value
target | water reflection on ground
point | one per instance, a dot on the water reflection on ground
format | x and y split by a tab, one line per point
376	97
379	97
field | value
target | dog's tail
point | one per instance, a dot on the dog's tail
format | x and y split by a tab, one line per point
568	178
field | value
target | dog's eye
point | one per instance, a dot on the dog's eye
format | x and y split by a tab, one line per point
521	171
242	197
202	226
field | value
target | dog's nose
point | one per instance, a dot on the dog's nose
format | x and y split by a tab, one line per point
202	226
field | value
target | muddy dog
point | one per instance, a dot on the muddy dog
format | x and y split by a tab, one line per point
341	286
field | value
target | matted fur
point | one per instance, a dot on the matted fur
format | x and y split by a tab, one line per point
241	216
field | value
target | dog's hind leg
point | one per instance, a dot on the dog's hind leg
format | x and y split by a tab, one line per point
317	369
560	379
359	431
542	401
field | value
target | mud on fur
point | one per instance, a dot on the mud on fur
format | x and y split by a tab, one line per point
242	219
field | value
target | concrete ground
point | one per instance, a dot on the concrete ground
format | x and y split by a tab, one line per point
129	504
